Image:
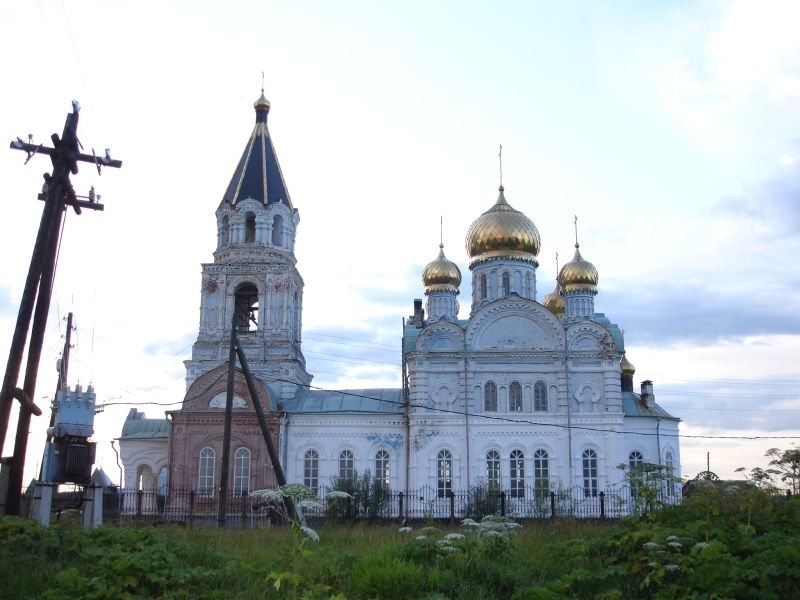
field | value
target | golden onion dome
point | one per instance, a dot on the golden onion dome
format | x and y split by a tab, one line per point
626	366
554	302
503	232
578	274
262	102
441	273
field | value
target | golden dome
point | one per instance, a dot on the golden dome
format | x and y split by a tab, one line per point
554	302
441	273
626	366
578	274
502	232
262	102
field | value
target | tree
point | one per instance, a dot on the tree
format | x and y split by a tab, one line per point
787	463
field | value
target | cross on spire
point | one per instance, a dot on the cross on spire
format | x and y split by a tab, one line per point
500	156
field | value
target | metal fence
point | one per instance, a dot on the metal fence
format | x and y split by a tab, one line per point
192	508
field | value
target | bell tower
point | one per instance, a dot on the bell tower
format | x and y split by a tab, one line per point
254	273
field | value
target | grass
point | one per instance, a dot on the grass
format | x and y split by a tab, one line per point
735	546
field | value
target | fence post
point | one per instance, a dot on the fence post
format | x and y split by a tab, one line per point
502	503
602	505
452	496
244	507
400	499
139	495
552	505
191	507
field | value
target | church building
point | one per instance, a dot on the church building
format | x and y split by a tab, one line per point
524	395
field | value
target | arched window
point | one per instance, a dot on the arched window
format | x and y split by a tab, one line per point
311	469
444	473
223	231
590	473
493	470
162	481
490	397
541	472
205	477
382	466
250	228
506	285
669	463
246	301
483	287
540	397
277	231
241	472
346	465
517	474
635	459
515	397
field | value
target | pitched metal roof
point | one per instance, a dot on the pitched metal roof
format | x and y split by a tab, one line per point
377	400
258	174
633	406
139	427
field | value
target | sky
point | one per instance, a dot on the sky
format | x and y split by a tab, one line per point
669	128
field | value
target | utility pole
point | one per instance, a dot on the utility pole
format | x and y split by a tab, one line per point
236	350
57	194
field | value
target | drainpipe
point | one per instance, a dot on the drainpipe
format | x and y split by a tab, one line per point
404	375
569	412
466	413
119	466
285	436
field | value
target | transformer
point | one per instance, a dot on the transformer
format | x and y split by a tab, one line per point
70	455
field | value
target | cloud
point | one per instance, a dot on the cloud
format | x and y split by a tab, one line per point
7	306
171	347
748	61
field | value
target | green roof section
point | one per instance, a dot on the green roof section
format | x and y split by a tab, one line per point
613	329
138	427
633	406
375	401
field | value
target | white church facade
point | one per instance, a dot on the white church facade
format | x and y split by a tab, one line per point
524	395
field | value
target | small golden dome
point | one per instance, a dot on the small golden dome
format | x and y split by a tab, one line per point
441	273
578	274
262	102
626	366
504	232
554	302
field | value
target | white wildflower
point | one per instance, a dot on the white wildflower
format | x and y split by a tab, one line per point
672	538
428	530
421	538
701	545
337	495
650	546
671	567
310	533
675	545
310	505
268	495
405	530
297	490
454	536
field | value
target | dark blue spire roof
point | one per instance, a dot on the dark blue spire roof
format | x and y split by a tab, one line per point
258	175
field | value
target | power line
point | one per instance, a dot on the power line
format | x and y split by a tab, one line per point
527	421
364	343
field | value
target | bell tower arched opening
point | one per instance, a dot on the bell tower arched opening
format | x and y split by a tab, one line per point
246	305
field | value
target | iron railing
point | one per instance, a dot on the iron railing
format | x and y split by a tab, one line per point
193	508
